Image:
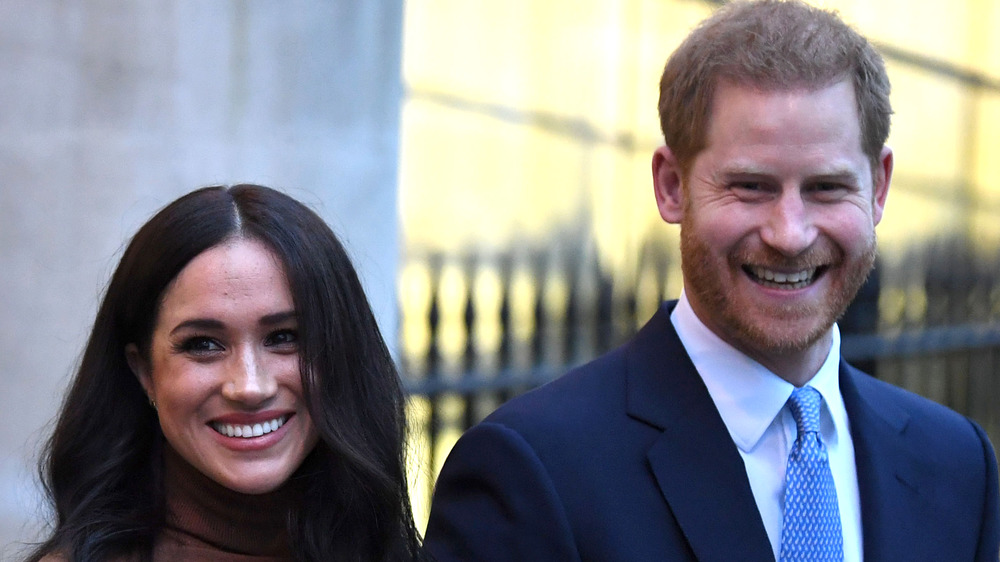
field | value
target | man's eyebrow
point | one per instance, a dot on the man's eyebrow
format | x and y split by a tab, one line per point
729	175
737	172
835	175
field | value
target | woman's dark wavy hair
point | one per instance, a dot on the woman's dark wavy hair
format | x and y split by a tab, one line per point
102	465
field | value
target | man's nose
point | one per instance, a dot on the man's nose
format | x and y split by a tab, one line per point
789	227
249	381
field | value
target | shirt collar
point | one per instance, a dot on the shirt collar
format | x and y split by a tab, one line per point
747	395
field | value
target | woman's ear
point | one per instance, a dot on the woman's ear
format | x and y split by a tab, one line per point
667	185
139	368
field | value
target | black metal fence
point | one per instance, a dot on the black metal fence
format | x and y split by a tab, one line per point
489	329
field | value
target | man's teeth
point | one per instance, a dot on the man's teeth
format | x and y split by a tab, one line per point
249	430
795	280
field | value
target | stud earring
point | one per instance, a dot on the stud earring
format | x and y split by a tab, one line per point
152	403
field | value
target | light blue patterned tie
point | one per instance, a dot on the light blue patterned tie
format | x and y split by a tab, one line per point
811	528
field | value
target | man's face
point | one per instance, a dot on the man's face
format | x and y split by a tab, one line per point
778	218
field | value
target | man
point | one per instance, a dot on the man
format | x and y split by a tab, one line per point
729	428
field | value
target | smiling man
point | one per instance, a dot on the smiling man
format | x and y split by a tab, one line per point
729	428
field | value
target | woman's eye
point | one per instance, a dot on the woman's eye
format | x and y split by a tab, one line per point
282	338
200	345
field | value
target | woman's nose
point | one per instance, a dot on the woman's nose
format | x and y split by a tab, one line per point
248	380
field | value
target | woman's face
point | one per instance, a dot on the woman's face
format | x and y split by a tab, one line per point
223	369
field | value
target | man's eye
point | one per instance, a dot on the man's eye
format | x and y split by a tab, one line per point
829	190
282	338
752	191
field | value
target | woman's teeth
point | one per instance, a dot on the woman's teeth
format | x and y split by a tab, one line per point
249	430
796	280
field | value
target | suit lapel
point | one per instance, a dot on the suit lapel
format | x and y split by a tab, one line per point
890	502
696	464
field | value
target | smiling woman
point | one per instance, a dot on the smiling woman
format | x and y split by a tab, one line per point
235	401
223	364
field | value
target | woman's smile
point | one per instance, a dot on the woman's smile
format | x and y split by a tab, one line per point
248	430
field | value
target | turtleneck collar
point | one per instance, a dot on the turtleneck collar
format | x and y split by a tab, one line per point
205	520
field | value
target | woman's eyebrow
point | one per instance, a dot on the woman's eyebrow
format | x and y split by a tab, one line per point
199	324
277	318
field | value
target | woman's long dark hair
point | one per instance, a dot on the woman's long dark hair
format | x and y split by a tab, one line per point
102	466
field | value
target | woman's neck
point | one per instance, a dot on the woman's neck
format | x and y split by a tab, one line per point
204	514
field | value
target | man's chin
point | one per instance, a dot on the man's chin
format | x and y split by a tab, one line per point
791	337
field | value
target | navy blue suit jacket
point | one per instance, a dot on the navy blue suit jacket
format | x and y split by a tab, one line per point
627	458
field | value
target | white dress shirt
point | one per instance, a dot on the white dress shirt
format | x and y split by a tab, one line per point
751	400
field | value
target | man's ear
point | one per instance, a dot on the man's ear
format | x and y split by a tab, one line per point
667	185
139	368
880	183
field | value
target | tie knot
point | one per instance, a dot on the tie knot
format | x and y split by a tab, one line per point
804	403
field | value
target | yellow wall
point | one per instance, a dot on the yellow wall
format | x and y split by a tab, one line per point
523	117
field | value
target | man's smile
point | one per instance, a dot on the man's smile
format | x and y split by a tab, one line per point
783	280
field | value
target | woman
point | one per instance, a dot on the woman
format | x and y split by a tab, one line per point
235	401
